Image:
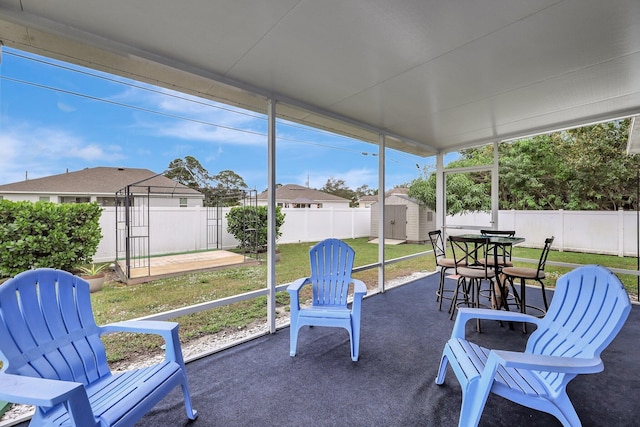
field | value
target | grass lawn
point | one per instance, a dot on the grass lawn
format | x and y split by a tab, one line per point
611	261
117	301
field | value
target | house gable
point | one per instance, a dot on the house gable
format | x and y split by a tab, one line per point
97	184
292	195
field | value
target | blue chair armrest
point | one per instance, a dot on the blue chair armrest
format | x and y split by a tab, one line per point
297	284
168	331
141	327
465	314
294	291
359	288
538	362
359	291
45	392
38	391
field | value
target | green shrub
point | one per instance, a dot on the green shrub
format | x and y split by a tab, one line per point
45	234
243	220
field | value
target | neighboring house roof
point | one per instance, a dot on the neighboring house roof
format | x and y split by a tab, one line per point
292	193
372	198
396	191
98	180
405	197
399	193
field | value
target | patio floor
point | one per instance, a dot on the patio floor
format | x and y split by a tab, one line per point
257	383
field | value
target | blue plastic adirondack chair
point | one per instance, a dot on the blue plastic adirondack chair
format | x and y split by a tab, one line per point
331	264
588	309
53	358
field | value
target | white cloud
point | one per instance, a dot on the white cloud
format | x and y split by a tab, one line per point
18	162
192	131
58	143
42	151
353	178
66	107
202	118
143	152
8	155
214	156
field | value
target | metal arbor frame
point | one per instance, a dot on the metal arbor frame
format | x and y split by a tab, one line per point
133	237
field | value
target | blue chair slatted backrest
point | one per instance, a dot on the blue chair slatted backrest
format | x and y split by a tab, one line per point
589	307
331	264
48	331
53	358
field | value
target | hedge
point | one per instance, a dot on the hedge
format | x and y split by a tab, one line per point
45	234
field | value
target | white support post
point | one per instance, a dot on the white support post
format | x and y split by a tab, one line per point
495	193
441	206
381	216
271	215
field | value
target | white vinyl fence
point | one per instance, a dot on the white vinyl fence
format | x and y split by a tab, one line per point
603	232
184	229
173	229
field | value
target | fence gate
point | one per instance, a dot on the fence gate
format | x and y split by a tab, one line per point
216	217
132	231
395	218
214	227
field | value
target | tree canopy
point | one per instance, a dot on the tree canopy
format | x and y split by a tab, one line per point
223	189
339	188
579	169
229	189
189	172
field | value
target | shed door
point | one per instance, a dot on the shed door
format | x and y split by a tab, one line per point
395	226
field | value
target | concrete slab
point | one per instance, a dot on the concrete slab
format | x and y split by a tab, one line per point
389	241
171	265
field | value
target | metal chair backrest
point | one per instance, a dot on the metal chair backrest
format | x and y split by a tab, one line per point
437	242
504	251
331	264
469	251
545	253
507	233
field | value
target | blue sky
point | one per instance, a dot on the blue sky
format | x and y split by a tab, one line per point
56	117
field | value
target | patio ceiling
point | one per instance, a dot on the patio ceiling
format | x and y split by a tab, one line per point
434	76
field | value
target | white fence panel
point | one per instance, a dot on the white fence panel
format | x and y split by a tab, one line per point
177	229
603	232
583	231
535	226
173	230
310	225
184	229
473	219
629	234
107	247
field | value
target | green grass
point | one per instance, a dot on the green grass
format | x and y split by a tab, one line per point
553	272
117	301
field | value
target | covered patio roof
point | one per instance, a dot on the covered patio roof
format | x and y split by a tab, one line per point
431	76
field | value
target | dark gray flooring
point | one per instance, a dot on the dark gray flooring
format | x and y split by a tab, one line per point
259	384
403	333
